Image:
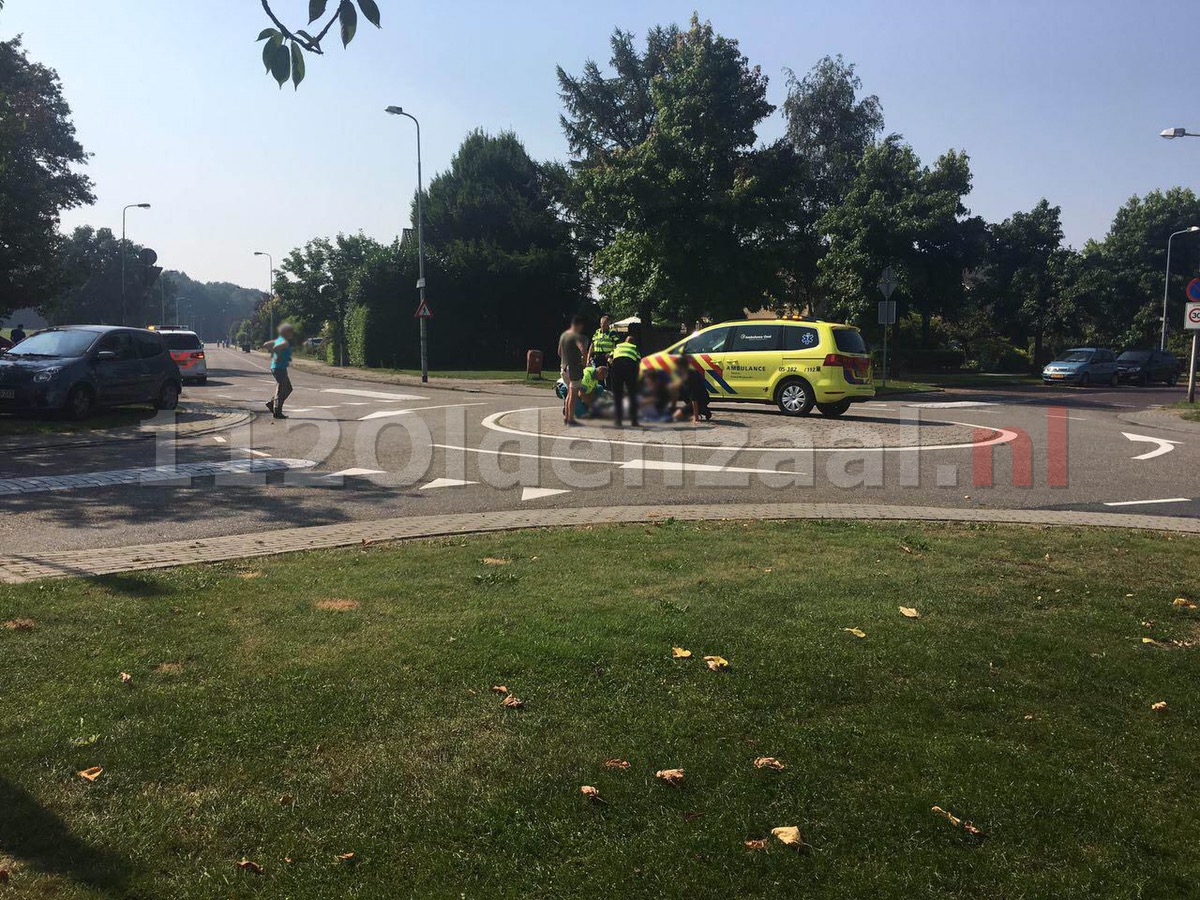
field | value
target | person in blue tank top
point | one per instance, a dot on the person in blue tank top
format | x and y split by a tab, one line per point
281	357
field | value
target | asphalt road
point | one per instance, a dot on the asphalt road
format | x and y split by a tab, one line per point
420	450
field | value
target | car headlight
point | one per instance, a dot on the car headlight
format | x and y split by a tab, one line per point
46	374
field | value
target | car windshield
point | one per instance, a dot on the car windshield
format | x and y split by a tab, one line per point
1134	356
1075	356
177	341
55	344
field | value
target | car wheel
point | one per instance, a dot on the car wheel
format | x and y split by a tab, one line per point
203	379
80	402
1173	379
1085	380
795	397
1143	380
168	397
833	410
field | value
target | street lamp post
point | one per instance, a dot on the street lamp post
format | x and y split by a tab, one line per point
1167	284
124	311
399	111
1170	134
270	290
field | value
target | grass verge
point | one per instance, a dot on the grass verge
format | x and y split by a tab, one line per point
292	710
1189	411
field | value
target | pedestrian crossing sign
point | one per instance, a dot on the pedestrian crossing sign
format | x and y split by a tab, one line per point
423	311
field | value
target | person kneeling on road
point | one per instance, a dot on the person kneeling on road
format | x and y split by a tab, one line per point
281	358
593	383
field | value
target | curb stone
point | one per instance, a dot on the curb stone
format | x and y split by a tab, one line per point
19	569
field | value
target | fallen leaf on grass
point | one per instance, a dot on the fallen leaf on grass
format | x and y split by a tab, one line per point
957	822
769	762
857	632
616	763
95	772
680	653
755	844
906	549
1183	603
691	816
20	624
511	702
717	663
592	793
909	613
499	689
1159	706
288	860
672	777
1147	640
495	561
126	679
346	857
250	866
790	836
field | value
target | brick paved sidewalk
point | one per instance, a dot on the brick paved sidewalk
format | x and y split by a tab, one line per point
16	569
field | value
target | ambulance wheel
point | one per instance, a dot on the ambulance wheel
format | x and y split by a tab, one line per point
795	397
833	410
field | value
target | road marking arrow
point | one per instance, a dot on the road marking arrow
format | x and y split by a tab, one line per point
1162	446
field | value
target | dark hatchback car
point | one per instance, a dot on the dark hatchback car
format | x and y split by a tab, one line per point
78	368
1144	366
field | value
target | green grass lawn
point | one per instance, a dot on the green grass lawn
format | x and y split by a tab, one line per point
290	710
923	383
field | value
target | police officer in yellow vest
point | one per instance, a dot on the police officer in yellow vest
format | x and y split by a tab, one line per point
623	378
603	342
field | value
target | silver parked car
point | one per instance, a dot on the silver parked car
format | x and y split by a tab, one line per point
1082	366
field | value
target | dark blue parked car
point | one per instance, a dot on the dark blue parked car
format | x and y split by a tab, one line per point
81	367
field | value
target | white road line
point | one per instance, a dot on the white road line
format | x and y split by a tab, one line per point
531	493
1162	447
351	472
371	395
403	412
445	483
219	439
162	476
1148	502
253	452
1003	436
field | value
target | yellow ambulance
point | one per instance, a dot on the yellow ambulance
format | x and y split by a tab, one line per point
794	363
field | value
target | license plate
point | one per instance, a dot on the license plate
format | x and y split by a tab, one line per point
8	394
1058	376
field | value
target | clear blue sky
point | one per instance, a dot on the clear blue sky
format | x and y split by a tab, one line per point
1055	98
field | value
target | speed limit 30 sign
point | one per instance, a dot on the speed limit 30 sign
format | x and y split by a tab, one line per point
1191	316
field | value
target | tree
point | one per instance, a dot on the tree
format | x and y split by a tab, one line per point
38	181
829	128
88	264
1023	261
667	177
1134	254
313	283
283	52
901	214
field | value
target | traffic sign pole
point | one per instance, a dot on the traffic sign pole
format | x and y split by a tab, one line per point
887	313
1191	322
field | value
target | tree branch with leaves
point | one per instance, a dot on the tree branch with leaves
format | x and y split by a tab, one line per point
283	52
